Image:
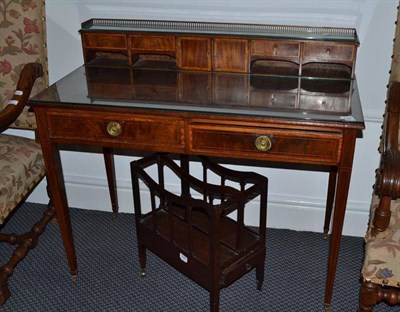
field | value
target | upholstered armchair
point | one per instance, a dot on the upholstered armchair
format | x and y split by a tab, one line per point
21	169
23	41
381	269
23	71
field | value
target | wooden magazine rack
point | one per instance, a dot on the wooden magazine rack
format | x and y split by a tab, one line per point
192	231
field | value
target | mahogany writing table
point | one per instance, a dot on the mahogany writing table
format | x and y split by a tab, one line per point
264	111
215	114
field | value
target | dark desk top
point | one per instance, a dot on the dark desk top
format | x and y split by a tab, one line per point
301	98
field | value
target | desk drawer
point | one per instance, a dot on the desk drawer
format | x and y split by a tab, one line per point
327	51
286	145
119	130
152	43
105	41
261	47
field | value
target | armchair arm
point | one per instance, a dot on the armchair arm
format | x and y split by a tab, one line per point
13	109
388	175
387	187
391	123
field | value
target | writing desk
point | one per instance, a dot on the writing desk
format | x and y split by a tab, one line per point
215	114
311	115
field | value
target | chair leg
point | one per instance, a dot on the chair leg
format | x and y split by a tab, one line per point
142	259
4	291
112	185
25	243
372	294
368	297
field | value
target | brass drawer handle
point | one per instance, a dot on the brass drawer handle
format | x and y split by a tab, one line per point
114	128
263	143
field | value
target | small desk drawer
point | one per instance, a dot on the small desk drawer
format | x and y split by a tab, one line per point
328	51
275	48
152	43
134	132
105	41
286	145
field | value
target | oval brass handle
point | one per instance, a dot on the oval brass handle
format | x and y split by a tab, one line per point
114	128
263	143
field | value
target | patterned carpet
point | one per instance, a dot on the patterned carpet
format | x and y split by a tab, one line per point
109	272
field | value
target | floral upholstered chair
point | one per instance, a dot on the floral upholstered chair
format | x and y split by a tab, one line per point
381	269
22	41
23	72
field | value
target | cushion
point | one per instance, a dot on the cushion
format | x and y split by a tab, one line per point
21	168
382	253
22	40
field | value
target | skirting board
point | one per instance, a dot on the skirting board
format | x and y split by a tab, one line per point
305	214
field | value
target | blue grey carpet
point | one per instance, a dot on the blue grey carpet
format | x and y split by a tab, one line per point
109	279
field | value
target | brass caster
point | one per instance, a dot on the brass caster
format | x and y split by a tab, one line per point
327	307
142	273
114	215
74	278
325	236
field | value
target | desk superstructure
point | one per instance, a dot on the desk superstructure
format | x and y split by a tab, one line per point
224	47
280	94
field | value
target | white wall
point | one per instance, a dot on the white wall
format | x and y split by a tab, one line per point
296	198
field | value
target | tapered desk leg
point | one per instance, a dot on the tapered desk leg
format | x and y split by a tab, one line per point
330	199
342	190
112	184
55	180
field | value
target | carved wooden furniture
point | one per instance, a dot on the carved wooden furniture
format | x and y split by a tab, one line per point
145	101
192	230
380	274
381	270
22	168
22	41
